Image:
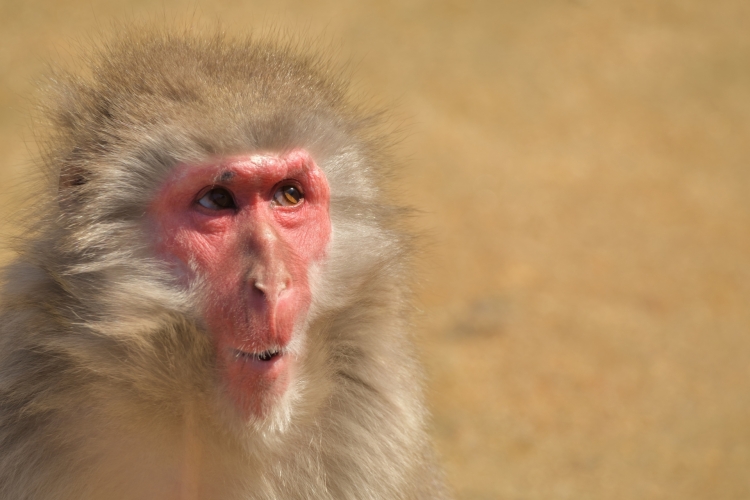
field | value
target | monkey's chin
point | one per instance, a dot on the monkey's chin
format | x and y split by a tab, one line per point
256	381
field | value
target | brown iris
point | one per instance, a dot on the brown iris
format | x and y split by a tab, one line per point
288	195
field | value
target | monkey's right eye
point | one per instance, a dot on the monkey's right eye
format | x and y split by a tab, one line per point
217	199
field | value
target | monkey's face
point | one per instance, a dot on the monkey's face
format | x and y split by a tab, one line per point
249	228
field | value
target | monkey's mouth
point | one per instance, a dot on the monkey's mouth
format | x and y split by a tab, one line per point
262	356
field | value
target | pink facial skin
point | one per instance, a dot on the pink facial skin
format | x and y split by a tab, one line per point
254	259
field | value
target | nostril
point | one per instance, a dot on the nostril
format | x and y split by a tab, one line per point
260	287
271	290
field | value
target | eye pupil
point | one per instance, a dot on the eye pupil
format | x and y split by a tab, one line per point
292	195
221	198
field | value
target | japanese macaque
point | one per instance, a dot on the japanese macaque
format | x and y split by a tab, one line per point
213	304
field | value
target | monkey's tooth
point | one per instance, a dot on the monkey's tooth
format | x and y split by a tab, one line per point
268	355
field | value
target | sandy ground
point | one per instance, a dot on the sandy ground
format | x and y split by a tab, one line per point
582	170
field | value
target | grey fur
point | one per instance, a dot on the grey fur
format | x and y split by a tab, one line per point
107	383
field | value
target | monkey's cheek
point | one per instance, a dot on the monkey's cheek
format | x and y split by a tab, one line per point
255	385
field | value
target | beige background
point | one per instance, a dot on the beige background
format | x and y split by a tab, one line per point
582	169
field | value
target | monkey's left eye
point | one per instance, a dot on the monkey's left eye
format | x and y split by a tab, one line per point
288	195
217	199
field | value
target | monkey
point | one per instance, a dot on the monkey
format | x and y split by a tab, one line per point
213	298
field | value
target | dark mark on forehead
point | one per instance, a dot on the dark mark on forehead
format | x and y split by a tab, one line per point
226	176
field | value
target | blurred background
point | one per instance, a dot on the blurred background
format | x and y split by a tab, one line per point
582	171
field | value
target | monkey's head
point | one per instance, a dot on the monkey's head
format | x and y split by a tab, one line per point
213	301
219	185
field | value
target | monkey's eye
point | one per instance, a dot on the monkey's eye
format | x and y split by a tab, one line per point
288	195
217	199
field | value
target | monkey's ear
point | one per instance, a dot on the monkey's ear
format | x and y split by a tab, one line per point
71	178
67	106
